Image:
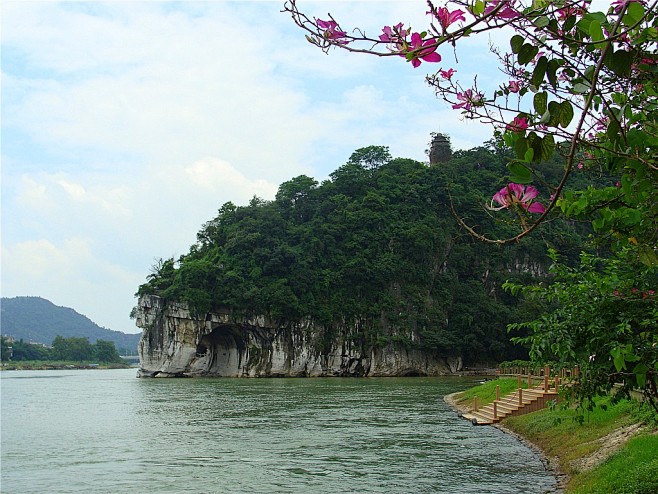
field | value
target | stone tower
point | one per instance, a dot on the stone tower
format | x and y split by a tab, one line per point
440	150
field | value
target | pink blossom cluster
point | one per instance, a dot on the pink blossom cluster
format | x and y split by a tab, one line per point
332	32
636	293
517	195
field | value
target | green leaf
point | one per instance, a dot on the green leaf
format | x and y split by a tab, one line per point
640	371
540	71
584	24
618	359
580	88
555	110
540	100
542	21
478	8
527	53
566	114
547	147
520	147
551	71
519	172
516	43
596	31
569	23
620	62
634	13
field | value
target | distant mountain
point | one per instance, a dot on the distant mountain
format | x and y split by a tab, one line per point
37	320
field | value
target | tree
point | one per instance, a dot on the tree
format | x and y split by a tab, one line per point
29	351
370	157
583	83
5	349
75	349
602	314
105	351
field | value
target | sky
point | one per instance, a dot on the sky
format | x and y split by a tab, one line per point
127	125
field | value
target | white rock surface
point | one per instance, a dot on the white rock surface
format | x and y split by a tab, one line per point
176	344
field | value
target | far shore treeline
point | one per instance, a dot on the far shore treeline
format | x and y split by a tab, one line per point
62	349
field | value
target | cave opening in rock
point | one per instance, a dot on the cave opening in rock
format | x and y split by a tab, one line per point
220	352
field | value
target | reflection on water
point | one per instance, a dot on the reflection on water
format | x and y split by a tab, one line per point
106	431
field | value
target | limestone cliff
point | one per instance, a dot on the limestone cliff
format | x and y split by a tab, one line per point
176	344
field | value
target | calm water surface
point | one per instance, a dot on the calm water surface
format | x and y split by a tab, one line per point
104	431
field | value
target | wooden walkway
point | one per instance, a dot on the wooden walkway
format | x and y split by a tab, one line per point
519	402
531	400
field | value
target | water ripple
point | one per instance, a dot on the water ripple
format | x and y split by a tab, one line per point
104	431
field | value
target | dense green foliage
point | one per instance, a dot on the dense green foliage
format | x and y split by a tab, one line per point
62	349
374	248
603	315
39	320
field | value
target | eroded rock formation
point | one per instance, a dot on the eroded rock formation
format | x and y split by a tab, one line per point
176	344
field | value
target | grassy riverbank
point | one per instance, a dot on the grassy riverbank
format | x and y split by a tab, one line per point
59	365
613	451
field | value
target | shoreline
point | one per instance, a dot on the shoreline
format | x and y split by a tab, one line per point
550	464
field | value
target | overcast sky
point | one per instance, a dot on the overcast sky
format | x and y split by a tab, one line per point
126	125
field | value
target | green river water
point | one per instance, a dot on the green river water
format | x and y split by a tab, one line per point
105	431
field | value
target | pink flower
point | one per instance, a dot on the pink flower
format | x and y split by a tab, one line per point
468	99
506	11
447	74
568	11
331	32
393	34
516	194
517	125
515	86
446	17
580	165
618	5
420	50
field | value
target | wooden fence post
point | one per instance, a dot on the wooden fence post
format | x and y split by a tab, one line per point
497	393
475	403
529	380
495	410
547	371
518	380
520	396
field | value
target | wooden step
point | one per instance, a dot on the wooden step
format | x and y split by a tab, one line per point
509	405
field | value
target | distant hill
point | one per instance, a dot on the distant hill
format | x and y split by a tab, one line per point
37	320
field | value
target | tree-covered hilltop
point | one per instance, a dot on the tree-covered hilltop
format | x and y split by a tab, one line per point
375	247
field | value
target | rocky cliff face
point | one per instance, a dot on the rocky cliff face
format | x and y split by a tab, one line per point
175	344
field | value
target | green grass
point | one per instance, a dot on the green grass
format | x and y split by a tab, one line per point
632	470
558	433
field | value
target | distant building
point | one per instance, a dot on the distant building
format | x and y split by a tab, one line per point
440	150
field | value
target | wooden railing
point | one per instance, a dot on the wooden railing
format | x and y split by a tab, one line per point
542	387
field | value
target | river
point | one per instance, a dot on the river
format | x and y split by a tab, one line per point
105	431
